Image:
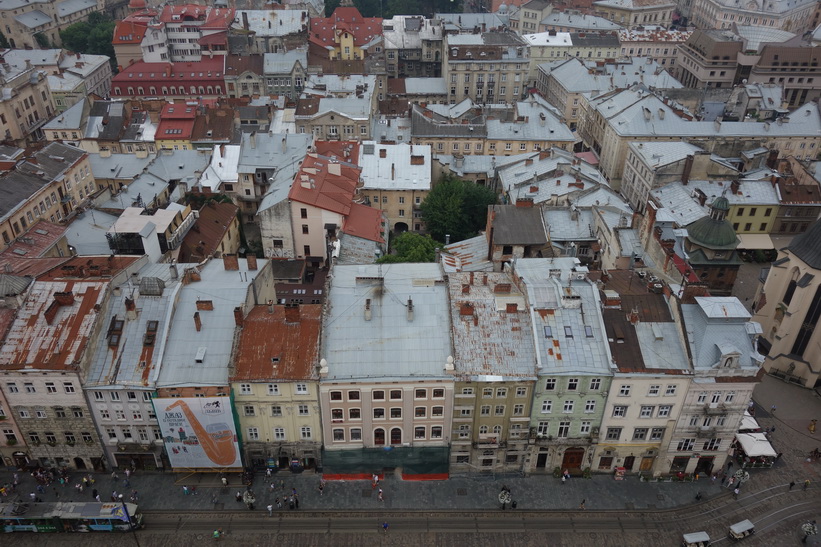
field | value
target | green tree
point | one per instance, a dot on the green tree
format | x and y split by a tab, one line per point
411	247
75	37
4	43
457	208
92	37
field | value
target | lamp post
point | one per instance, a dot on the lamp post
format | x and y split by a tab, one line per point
130	524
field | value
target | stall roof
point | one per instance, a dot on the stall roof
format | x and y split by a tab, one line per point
748	423
755	444
696	537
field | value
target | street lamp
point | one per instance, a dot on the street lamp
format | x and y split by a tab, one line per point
128	517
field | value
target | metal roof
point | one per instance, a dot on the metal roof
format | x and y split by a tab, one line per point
718	322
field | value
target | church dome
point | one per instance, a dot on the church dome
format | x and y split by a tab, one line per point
714	231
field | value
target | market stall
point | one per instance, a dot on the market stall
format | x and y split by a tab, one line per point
753	450
748	424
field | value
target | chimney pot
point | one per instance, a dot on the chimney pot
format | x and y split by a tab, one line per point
238	317
197	321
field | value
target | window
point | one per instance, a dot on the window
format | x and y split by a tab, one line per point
78	413
568	407
671	390
654	390
712	445
33	437
639	433
547	407
302	389
60	412
115	396
624	391
276	411
396	395
613	433
702	397
656	433
716	397
694	420
664	411
420	411
40	413
336	414
619	411
590	406
29	387
521	392
356	434
279	433
564	429
131	396
436	432
646	411
685	445
355	413
550	384
584	427
253	434
419	433
249	410
437	411
305	432
305	229
501	392
485	410
396	412
572	384
518	410
339	435
336	395
379	413
465	412
69	387
98	395
730	397
487	392
51	388
378	395
51	438
245	389
303	410
303	213
421	394
595	384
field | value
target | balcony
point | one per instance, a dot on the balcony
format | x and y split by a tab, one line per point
713	409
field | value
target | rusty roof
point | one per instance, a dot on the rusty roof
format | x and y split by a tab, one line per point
89	268
283	345
54	326
37	240
208	231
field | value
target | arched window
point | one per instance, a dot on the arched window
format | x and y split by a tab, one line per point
140	90
482	430
788	294
396	436
497	430
210	90
202	90
219	90
152	90
379	437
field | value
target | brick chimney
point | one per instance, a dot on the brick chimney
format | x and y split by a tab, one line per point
64	298
238	317
465	288
512	307
691	290
130	309
252	262
524	202
292	313
205	305
688	167
230	262
466	309
502	288
471	278
197	321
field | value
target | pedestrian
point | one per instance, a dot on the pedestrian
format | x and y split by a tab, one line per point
185	490
385	527
792	483
239	497
41	489
735	493
379	496
291	503
33	496
581	505
296	501
114	496
321	486
772	409
225	481
713	478
513	504
97	497
772	429
216	535
94	493
374	481
135	496
778	456
270	510
564	479
126	482
806	484
268	472
278	503
114	476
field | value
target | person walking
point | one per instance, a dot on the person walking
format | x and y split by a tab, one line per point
114	476
374	481
270	510
735	493
581	505
94	494
278	503
792	483
385	527
97	497
321	486
185	490
772	409
806	484
379	496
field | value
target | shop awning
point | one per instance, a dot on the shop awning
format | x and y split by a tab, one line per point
748	424
753	242
755	444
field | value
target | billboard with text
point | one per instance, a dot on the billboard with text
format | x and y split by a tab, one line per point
198	432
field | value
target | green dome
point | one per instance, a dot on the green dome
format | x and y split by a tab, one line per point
712	233
720	204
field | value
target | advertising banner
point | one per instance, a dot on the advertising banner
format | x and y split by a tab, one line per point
198	432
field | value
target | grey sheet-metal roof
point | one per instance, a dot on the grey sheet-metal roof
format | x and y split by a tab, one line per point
356	250
227	289
493	341
269	153
658	153
661	346
563	225
602	196
425	86
563	19
133	362
33	19
469	21
807	246
86	233
389	345
514	225
118	166
717	325
481	165
576	305
15	190
755	36
400	169
391	129
69	7
468	255
272	22
753	192
678	204
283	62
13	284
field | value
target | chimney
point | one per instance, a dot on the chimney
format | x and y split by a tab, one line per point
465	288
502	288
230	262
543	155
529	161
691	290
51	312
252	139
292	313
524	202
512	307
383	153
245	20
484	280
270	306
64	298
393	171
633	317
410	309
173	268
197	321
252	262
466	309
205	305
471	278
368	309
238	318
734	187
130	309
688	167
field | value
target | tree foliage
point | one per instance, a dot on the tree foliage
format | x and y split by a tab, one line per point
457	208
92	37
412	247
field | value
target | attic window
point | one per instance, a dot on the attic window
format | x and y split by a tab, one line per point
548	332
588	331
116	326
275	359
151	326
149	338
568	332
113	340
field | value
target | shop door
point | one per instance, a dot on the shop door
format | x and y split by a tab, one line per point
646	463
705	465
541	460
629	462
573	458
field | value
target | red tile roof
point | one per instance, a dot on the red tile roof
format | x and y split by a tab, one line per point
176	122
34	267
365	222
315	185
283	345
129	32
363	29
89	268
207	232
210	17
38	239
